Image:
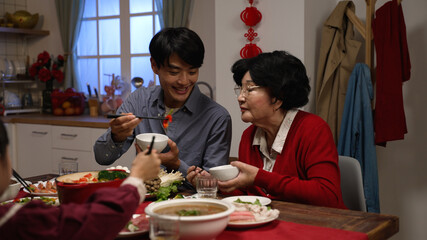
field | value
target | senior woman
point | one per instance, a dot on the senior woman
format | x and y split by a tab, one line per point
286	154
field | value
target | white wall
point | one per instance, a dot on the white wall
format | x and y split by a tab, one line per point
48	21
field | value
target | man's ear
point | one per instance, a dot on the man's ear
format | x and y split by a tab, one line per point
154	66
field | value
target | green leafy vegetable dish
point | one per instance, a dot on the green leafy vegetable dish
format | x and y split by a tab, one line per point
257	202
109	175
169	183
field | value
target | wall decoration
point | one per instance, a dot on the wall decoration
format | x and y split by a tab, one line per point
251	17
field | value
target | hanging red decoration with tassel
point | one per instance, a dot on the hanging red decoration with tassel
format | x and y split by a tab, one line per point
251	17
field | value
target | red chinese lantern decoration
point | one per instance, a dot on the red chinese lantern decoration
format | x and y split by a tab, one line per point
251	17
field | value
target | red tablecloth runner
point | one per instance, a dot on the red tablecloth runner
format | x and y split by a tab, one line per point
279	229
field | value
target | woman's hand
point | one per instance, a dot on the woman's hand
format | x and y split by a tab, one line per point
245	178
144	166
193	172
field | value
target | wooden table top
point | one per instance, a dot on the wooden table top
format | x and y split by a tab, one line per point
376	226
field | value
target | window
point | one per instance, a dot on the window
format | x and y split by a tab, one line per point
114	39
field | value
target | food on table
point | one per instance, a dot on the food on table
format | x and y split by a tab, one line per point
47	200
195	209
44	187
139	223
102	176
252	212
152	185
169	183
118	167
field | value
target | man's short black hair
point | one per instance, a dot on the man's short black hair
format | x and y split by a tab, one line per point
181	41
283	74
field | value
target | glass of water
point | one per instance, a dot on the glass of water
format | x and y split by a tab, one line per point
206	186
164	228
68	167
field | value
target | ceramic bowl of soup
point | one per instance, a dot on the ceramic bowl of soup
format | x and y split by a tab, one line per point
211	219
77	187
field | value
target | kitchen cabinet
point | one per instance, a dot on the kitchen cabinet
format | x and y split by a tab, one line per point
33	149
40	148
76	144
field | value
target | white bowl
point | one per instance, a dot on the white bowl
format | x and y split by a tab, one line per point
11	192
224	172
144	140
195	227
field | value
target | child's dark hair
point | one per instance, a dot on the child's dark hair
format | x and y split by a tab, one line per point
4	141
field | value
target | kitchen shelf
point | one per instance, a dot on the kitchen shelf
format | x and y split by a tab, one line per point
23	31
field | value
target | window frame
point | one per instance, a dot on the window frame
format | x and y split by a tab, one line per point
125	39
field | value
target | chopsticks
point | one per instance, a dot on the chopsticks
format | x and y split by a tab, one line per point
22	181
151	146
143	117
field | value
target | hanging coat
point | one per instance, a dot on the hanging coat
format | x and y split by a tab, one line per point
393	68
338	52
357	132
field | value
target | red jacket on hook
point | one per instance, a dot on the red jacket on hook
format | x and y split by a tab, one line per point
393	68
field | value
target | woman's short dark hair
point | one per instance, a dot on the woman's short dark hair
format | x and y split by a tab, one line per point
4	141
282	73
181	41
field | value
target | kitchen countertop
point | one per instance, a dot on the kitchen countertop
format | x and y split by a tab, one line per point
48	119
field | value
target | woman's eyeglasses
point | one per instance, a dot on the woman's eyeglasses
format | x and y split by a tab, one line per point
245	91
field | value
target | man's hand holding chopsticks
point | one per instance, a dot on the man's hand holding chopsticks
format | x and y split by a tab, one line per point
122	127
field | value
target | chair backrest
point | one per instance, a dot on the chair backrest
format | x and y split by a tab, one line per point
352	183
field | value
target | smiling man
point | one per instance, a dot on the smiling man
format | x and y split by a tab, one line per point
200	131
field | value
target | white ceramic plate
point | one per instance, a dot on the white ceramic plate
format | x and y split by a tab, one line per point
264	201
250	224
42	194
132	234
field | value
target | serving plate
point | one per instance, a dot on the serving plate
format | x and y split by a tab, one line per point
135	233
49	194
250	224
263	200
52	200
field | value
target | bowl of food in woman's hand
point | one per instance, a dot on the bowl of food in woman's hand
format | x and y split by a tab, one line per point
77	187
198	218
11	191
224	172
144	141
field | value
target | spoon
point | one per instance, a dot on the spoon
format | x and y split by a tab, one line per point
137	82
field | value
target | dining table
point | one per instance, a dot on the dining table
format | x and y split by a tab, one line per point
303	221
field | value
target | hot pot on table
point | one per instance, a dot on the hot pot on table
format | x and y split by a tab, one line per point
72	188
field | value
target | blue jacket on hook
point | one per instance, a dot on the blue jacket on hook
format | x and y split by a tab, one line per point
357	138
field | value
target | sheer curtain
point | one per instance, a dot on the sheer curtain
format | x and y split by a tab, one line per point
70	13
173	13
